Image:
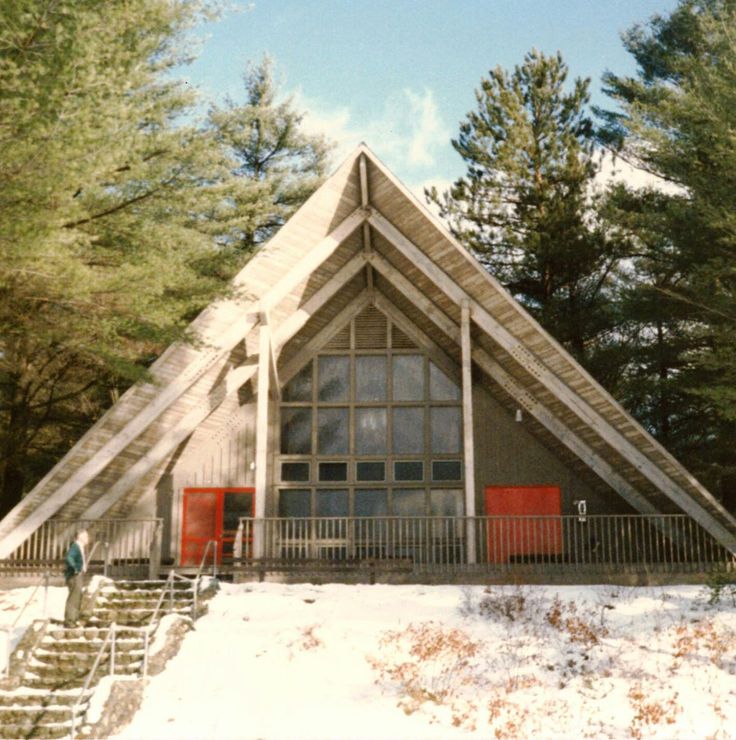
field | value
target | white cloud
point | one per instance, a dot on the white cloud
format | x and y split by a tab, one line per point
408	131
620	171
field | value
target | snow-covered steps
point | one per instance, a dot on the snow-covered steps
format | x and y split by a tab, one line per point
29	713
135	602
60	663
65	657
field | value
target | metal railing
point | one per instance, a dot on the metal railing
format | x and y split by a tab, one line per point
592	543
110	640
130	544
106	561
212	544
166	590
10	629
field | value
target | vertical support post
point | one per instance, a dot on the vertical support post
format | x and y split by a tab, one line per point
146	648
365	202
238	544
112	649
46	577
154	555
468	437
106	566
264	375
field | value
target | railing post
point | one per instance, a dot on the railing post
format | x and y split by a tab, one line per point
46	577
214	560
106	563
238	544
146	641
112	650
154	558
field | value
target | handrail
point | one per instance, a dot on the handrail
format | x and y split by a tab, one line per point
43	580
167	585
198	576
85	687
667	542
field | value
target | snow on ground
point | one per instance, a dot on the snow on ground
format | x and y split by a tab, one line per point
279	661
299	661
19	607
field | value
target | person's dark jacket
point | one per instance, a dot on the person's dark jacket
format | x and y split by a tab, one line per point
74	561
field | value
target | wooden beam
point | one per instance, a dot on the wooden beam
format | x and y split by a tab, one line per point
544	375
170	440
314	257
363	168
262	427
495	286
332	287
468	437
169	394
528	402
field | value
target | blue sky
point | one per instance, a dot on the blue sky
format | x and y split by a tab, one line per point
401	74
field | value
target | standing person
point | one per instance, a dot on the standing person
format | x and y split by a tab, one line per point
76	565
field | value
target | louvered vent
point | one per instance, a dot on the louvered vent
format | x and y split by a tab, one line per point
371	331
399	340
341	340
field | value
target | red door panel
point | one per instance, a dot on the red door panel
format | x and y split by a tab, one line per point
523	527
213	514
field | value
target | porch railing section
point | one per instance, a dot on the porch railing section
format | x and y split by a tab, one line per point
129	544
666	543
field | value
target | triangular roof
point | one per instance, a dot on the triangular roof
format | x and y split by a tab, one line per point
363	237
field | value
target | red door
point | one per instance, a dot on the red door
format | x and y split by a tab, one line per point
525	525
213	514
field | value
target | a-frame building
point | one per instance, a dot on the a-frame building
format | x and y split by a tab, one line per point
367	365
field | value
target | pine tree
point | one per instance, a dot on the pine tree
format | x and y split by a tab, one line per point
276	164
111	201
676	119
524	206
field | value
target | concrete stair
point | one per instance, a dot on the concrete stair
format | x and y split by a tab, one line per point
133	602
28	713
41	706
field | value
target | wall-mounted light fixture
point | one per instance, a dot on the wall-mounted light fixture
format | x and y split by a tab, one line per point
519	415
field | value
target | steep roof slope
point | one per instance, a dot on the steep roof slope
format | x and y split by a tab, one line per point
362	221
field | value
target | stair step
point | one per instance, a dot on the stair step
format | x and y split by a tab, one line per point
90	632
148	585
60	665
76	647
41	697
69	662
143	599
42	732
74	680
36	714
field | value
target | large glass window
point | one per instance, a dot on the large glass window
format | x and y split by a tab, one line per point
371	502
370	431
408	430
408	377
441	388
299	388
295	502
296	431
334	378
370	378
332	431
368	428
409	502
446	429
